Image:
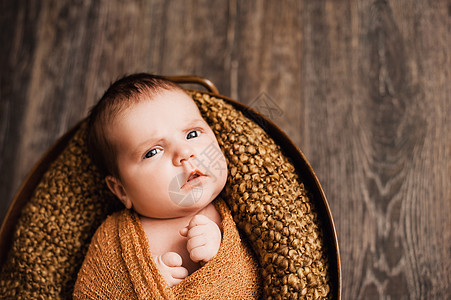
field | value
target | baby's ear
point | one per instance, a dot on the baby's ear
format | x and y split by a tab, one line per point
118	189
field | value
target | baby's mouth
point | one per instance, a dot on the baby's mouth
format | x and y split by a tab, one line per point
194	179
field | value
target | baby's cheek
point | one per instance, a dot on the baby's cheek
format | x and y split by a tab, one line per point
223	172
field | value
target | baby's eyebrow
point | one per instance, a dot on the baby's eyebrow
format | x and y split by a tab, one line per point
144	146
195	122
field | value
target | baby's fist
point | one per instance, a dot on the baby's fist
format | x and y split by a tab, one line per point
204	238
170	266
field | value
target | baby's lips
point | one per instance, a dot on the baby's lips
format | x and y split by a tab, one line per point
192	179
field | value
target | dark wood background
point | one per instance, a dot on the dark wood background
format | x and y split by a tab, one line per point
362	87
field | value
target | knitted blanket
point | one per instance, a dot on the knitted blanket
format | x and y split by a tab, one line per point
119	265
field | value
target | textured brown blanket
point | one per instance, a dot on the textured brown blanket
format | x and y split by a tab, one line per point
119	265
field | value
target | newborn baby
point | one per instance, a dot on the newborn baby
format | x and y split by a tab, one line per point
163	162
157	138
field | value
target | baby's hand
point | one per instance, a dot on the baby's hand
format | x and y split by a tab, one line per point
170	266
204	238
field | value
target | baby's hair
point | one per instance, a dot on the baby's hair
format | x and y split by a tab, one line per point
121	95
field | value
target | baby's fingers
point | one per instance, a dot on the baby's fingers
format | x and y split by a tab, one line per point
179	273
197	230
195	242
202	254
184	231
171	259
170	266
199	220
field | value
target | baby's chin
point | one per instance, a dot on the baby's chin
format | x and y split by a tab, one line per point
180	205
196	207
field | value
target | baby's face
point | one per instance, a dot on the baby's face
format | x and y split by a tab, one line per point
169	159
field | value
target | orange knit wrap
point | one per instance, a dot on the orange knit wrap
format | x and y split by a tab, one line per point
119	265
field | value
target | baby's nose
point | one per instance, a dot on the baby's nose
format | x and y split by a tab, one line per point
184	154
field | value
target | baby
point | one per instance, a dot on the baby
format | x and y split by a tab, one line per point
147	134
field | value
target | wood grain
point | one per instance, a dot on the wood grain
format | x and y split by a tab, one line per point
361	86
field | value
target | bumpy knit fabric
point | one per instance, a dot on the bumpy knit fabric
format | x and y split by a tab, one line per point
266	197
118	265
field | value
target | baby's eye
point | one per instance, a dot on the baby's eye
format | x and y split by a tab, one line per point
152	152
193	134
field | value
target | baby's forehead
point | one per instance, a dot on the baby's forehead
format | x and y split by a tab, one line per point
174	101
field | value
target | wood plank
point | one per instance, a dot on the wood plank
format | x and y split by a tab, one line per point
18	39
265	63
363	85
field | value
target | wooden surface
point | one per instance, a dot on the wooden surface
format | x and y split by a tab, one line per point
362	87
